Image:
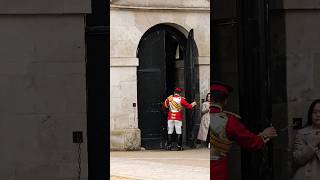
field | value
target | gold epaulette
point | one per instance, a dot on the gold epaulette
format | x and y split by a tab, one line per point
170	98
234	114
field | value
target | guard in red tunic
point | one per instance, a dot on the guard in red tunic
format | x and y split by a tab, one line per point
226	128
174	103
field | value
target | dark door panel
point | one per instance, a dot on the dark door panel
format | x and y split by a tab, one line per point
151	87
240	58
97	81
255	87
191	88
225	55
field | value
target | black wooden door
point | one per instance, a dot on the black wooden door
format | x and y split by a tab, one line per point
225	55
255	90
151	88
240	58
97	68
191	88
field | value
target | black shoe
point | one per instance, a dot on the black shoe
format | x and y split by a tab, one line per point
169	143
179	146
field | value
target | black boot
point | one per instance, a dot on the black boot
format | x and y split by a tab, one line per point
169	143
179	147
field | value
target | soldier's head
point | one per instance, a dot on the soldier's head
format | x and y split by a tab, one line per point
177	91
220	92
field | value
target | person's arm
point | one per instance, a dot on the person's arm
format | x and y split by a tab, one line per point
302	152
165	104
238	132
186	104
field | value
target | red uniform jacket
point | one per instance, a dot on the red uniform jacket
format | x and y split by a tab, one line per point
174	104
237	132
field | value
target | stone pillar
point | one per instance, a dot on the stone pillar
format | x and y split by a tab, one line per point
124	134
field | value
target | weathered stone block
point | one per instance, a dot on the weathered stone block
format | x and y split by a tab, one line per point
125	139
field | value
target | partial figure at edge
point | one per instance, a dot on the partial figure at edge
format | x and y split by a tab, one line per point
226	128
306	151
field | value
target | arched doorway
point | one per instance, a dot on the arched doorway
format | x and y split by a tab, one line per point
162	52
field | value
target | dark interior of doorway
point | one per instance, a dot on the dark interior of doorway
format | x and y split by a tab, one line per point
172	71
97	69
171	44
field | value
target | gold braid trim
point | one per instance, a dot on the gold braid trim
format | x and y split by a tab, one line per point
234	114
222	145
176	105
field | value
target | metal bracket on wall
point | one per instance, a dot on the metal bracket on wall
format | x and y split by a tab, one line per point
77	137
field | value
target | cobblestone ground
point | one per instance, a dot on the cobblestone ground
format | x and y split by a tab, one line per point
160	165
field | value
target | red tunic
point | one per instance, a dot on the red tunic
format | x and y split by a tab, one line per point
176	114
237	132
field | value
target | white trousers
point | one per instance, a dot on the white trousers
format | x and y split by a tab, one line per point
174	124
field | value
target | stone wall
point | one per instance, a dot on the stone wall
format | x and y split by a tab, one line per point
298	4
303	61
295	57
303	64
43	90
45	6
123	62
